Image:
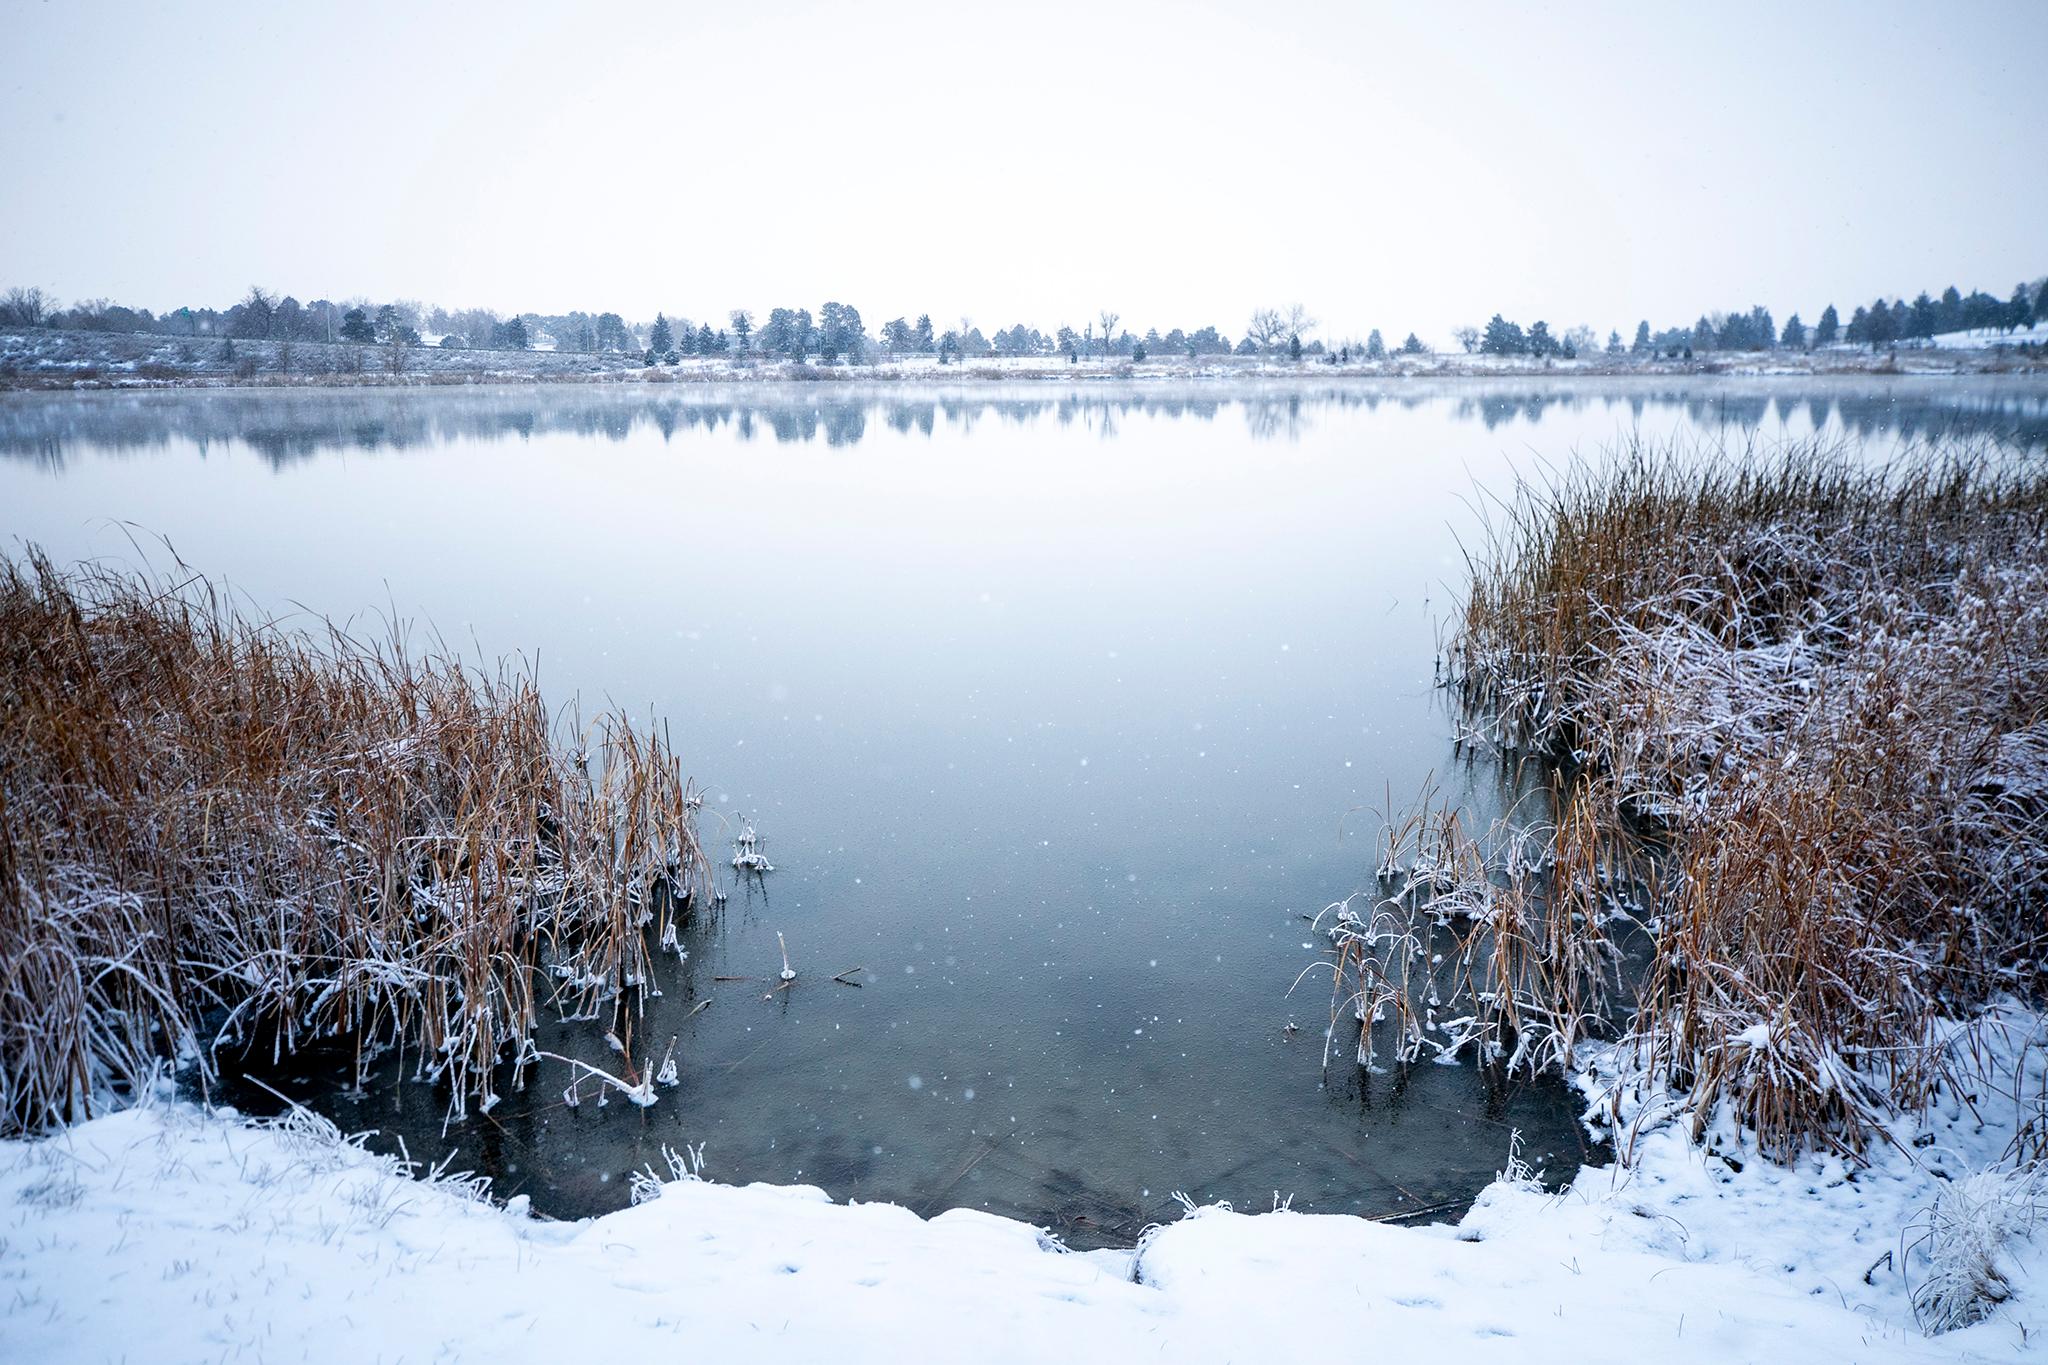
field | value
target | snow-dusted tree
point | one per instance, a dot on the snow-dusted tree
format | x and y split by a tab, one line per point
1109	321
1503	337
1375	348
1413	346
612	334
841	333
1267	329
1920	319
742	326
1948	310
2020	311
1298	321
1614	346
1541	342
1467	337
1794	337
921	336
1641	345
250	319
25	306
661	340
355	327
1828	328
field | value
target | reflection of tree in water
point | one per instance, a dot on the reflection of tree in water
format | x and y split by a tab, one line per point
1276	418
296	425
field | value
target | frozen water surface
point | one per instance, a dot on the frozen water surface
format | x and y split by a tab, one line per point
1057	709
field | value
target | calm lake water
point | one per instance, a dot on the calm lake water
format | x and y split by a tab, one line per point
1060	708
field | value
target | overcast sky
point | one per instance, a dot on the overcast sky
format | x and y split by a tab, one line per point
1403	166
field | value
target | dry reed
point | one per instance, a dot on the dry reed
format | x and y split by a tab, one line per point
218	835
1796	710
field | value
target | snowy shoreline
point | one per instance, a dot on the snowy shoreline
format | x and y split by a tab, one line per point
169	1233
47	360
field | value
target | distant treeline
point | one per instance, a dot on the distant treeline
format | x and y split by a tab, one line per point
838	333
1881	323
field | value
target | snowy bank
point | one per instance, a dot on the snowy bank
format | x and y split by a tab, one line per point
167	1233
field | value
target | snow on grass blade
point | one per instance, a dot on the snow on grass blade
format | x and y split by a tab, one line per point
219	835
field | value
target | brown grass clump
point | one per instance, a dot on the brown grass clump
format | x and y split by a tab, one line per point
1798	707
216	831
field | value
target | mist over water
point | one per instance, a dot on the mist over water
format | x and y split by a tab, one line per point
1060	708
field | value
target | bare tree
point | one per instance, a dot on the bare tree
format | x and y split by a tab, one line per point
1467	337
25	307
1267	328
1109	321
1297	322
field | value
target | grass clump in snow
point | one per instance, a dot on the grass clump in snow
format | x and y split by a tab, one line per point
218	831
1795	709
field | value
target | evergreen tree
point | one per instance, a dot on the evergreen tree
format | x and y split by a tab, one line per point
1859	326
1949	312
1541	343
2020	312
742	326
1641	345
1294	346
661	340
1763	331
1503	338
1375	349
355	326
1879	326
1920	321
1614	346
1703	338
707	344
1795	334
1413	346
923	335
1828	328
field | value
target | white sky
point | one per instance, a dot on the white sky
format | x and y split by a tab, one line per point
1403	166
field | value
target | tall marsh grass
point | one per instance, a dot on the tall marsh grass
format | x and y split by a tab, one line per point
220	834
1795	711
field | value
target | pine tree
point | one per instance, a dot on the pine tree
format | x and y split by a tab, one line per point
1641	345
1828	328
1920	322
661	340
1375	349
355	326
2020	312
1949	312
1795	334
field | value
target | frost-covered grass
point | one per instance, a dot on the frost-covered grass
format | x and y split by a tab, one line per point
165	1233
1798	712
221	834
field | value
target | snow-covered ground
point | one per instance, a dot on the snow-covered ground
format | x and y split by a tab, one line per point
166	1233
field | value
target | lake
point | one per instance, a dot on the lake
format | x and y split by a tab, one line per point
1060	708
